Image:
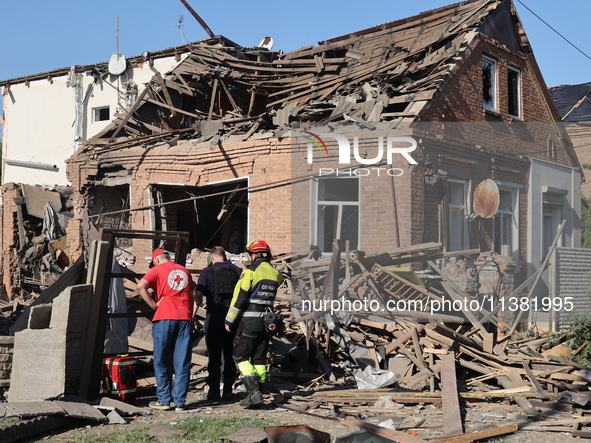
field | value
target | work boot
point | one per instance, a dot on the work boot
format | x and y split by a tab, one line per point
227	392
253	395
214	390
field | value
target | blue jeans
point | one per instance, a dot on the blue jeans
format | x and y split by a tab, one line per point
172	336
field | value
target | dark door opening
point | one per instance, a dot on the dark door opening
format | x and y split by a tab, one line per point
219	217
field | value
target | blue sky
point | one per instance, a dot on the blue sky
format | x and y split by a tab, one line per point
39	36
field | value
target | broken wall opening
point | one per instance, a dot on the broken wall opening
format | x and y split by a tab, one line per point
219	219
104	200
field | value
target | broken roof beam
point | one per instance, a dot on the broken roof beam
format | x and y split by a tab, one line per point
160	81
199	19
233	103
130	112
172	108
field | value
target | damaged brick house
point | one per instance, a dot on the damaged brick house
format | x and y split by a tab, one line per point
46	117
220	147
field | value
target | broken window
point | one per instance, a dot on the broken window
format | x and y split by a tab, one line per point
337	211
506	221
489	83
514	91
458	231
213	215
101	114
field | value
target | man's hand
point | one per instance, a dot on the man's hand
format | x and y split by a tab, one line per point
228	328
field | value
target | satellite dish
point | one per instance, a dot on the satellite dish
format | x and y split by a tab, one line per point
486	199
117	64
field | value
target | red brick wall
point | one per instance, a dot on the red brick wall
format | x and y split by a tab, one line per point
580	136
10	239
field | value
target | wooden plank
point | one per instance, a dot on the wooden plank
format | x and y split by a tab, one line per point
172	108
479	435
213	95
401	437
186	86
130	112
371	349
452	416
160	81
400	341
413	97
511	380
534	381
539	276
232	102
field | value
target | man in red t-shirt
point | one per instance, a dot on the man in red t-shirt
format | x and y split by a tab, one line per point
172	326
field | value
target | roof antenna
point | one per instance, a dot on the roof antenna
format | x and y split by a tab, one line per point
199	19
181	21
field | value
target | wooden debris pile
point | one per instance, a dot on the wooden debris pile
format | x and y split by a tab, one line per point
385	73
450	358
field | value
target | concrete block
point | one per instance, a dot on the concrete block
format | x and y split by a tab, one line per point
38	366
70	309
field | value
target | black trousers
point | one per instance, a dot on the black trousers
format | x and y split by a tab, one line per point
219	349
250	346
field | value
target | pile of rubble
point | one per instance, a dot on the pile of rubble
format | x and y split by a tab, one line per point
354	354
40	253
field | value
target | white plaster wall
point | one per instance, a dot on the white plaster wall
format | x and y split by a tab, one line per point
547	174
38	124
39	120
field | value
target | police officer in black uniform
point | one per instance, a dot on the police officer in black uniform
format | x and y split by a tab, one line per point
217	283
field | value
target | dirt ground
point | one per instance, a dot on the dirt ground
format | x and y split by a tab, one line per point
478	416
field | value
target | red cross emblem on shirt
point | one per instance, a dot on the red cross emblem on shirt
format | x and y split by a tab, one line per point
177	280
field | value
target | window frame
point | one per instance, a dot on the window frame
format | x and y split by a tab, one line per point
96	113
494	84
315	204
513	188
465	227
517	92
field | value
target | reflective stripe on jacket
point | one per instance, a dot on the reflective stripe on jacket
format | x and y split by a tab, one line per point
257	287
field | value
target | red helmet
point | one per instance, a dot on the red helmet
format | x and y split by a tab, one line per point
259	246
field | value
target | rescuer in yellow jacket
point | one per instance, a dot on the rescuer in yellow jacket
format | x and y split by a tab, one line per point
253	294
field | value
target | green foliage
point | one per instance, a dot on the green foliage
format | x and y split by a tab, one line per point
585	224
201	429
580	330
210	429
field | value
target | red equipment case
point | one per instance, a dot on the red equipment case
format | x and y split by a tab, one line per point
119	378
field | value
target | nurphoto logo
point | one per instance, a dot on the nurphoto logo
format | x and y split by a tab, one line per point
386	146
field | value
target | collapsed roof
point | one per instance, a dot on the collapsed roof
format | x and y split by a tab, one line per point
385	73
573	102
